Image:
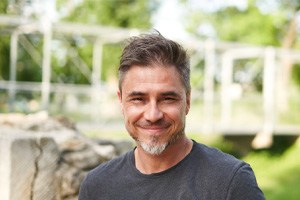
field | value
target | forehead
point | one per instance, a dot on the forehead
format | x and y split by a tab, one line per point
149	78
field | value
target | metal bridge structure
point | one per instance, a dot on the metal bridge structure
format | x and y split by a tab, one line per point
218	94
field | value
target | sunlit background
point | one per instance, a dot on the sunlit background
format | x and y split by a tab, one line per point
60	57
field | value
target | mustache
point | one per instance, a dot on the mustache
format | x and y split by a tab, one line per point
147	124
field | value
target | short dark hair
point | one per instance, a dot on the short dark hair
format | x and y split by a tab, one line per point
153	48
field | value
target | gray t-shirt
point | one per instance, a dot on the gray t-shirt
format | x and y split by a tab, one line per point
205	173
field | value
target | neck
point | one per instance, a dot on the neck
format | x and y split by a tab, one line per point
173	154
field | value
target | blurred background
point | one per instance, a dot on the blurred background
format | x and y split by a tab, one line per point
62	56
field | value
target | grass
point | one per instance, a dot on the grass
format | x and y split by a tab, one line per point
278	175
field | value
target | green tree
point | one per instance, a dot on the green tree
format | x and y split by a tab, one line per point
27	68
249	25
125	13
4	47
262	22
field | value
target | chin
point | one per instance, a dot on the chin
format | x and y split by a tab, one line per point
153	149
155	145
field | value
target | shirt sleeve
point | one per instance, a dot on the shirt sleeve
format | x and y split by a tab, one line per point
83	192
244	186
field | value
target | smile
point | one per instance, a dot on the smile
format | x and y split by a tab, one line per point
156	130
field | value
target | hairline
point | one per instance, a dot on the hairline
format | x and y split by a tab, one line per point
151	65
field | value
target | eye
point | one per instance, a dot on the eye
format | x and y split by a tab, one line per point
136	99
169	99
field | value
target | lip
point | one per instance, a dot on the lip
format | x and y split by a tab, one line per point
154	130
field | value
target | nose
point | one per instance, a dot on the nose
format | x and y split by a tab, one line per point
152	112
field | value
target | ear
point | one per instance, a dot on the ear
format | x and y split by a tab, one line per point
120	99
188	102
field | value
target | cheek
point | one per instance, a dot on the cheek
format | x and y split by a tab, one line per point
131	113
176	113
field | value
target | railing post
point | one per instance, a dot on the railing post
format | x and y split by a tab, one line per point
264	137
226	81
96	77
208	96
46	76
13	69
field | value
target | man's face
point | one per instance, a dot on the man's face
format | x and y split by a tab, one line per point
154	104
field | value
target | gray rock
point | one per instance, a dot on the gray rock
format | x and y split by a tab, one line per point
27	167
42	157
69	179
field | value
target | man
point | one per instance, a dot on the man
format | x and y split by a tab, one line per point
154	93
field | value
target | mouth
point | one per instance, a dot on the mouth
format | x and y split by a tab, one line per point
154	130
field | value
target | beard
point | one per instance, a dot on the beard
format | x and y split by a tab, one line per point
154	147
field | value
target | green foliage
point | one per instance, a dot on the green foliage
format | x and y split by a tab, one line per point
4	47
262	22
278	176
225	146
75	64
197	76
296	74
4	57
27	68
292	115
125	13
3	7
247	26
78	50
111	56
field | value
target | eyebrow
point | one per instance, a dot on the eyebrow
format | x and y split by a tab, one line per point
164	94
170	93
134	93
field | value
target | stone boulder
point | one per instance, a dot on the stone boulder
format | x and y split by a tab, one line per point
63	155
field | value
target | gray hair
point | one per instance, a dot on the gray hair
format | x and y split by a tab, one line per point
149	49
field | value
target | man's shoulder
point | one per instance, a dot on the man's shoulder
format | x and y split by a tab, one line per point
104	176
214	158
111	167
214	165
222	172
